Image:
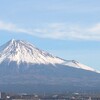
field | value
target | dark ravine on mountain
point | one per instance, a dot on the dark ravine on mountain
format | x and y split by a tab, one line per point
25	68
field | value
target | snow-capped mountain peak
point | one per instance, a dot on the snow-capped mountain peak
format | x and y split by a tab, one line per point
23	52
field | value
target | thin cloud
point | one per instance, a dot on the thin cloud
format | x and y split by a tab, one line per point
10	27
73	32
59	31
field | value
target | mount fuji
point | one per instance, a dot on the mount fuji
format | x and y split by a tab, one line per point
24	67
23	52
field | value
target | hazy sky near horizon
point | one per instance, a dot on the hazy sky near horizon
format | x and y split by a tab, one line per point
69	29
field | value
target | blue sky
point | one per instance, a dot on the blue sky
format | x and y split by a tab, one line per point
66	28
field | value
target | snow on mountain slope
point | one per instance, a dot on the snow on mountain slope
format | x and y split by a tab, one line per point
76	64
21	51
